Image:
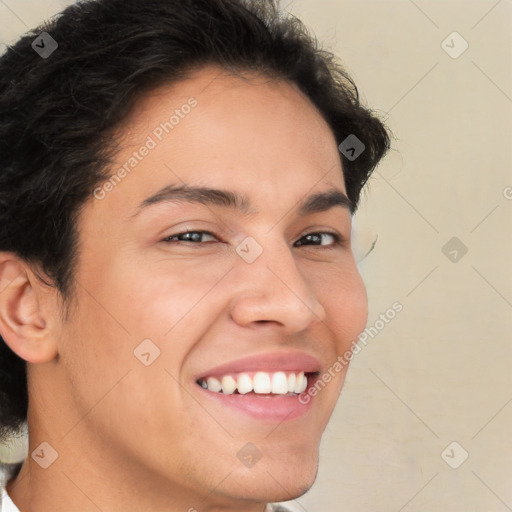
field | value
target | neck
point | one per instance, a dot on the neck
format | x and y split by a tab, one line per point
73	483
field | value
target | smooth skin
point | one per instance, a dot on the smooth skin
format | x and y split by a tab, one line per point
132	437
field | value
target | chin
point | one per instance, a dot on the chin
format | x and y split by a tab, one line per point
286	490
280	480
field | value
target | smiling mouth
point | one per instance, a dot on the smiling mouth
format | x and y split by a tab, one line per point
280	383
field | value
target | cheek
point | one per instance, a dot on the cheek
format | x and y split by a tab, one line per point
343	296
158	298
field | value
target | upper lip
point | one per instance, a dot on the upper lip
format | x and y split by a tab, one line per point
267	362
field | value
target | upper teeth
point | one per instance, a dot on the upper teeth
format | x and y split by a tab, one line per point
279	383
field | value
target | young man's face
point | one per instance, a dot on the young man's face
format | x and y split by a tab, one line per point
257	295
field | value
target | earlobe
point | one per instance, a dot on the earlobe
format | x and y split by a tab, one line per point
23	324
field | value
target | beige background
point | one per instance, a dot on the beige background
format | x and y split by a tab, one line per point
439	372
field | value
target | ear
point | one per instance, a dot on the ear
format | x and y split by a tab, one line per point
25	311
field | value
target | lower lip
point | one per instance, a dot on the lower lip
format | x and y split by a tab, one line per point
266	407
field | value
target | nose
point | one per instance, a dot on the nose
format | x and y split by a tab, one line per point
273	290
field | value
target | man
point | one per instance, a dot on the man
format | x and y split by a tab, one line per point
177	185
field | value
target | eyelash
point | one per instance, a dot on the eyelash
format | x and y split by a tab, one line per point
338	240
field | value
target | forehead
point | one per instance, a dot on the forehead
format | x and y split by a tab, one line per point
261	136
214	86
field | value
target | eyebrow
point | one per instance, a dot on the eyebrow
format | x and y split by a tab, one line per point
315	203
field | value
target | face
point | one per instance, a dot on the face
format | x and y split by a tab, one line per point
192	290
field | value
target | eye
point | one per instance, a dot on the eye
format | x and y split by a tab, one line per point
189	236
314	239
318	238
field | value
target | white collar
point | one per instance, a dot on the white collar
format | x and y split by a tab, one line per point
6	504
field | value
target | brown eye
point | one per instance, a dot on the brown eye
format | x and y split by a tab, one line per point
189	236
318	237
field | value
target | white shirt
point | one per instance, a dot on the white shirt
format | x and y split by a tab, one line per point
6	504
